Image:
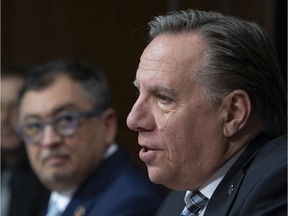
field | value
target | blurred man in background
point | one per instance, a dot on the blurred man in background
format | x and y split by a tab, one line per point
69	126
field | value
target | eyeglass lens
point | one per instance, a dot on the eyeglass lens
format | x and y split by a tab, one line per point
64	125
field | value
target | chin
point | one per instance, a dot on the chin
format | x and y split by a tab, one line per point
166	177
157	176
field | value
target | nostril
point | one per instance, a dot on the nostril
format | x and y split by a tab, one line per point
140	129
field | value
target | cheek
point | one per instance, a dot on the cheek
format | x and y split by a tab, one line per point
88	147
33	154
182	135
174	138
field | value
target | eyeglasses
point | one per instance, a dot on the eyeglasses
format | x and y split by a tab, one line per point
64	125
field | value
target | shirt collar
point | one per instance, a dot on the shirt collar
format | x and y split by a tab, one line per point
208	188
62	199
110	150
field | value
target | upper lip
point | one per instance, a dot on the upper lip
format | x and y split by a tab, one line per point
146	143
148	147
54	156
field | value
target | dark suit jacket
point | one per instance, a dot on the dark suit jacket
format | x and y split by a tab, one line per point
116	188
255	185
28	195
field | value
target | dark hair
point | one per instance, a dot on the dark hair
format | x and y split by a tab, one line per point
239	55
90	77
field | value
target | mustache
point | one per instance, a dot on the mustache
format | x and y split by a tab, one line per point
57	152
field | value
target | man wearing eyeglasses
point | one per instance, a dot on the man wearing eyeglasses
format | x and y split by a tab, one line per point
66	119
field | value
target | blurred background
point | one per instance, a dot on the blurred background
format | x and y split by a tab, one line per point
112	34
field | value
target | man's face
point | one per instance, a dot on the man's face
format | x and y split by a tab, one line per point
62	162
179	130
9	92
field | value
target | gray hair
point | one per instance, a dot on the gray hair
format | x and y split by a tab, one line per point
239	55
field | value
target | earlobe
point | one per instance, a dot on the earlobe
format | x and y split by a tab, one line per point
110	121
238	110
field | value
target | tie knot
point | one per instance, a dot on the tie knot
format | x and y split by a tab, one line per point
195	203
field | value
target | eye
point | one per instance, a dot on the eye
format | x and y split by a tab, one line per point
67	121
163	99
32	128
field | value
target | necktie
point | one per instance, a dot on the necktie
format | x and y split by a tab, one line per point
195	204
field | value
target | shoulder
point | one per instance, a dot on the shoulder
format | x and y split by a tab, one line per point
124	194
265	184
272	155
271	160
118	185
277	145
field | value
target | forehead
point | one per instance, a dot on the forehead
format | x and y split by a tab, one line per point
181	46
62	92
171	58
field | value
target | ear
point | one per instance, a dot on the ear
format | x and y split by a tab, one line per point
110	121
238	107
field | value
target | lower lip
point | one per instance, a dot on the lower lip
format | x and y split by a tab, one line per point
147	155
55	161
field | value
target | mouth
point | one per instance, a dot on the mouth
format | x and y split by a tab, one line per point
55	160
146	149
148	154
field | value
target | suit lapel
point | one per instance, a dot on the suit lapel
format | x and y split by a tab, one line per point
83	199
173	204
225	194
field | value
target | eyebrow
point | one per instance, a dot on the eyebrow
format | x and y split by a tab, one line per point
63	107
158	89
136	84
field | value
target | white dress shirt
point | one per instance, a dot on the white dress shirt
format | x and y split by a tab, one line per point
210	186
61	200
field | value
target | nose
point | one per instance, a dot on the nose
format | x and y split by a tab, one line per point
140	117
50	137
131	119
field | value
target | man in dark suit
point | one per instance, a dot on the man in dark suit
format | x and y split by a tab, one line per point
212	103
66	119
17	177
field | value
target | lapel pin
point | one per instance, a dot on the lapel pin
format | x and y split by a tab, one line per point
231	189
79	211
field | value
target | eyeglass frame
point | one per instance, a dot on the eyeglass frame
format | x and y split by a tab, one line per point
52	122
